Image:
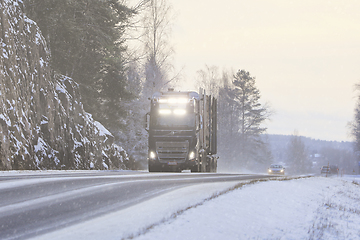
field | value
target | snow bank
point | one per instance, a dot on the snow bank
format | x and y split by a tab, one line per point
307	208
314	208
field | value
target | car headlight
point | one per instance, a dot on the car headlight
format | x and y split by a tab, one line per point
191	155
282	170
152	155
269	170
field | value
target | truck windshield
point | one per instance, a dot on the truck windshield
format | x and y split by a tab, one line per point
174	120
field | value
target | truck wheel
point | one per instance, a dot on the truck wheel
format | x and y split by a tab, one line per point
215	165
195	168
153	168
209	164
203	164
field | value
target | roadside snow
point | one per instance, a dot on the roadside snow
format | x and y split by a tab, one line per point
307	208
314	208
103	131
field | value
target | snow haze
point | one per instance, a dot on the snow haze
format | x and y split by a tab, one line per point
304	55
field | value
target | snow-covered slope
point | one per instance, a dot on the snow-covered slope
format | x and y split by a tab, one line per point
42	121
305	208
315	208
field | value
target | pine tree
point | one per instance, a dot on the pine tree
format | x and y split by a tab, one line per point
251	113
134	137
240	117
85	39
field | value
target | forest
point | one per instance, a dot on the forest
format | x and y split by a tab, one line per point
119	55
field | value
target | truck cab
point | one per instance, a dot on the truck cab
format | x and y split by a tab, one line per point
177	135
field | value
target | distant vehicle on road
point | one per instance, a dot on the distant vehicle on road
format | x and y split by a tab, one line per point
276	169
325	170
332	169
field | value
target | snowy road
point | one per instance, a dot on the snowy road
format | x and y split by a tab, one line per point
34	204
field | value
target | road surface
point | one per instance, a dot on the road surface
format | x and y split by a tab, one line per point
34	204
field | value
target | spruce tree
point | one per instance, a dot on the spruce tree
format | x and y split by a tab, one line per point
240	118
240	103
85	40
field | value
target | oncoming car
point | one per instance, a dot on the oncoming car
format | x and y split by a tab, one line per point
276	169
325	170
332	169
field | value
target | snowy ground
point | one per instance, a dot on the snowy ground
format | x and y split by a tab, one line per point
305	208
313	208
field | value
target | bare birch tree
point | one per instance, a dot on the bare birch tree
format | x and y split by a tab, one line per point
297	155
209	79
158	50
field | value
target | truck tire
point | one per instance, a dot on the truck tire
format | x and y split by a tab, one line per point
208	164
195	168
203	164
153	168
214	164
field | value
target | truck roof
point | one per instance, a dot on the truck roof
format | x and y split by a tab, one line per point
189	94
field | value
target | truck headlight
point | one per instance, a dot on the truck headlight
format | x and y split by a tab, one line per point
179	111
164	111
191	155
152	155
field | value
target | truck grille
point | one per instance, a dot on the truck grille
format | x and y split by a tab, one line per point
172	151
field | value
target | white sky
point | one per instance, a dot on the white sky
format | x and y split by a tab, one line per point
305	56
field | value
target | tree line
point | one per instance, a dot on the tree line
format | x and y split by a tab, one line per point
89	41
354	127
241	116
86	41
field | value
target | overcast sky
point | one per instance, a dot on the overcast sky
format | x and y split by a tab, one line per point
304	54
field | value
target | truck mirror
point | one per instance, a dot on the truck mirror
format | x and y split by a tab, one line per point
147	120
198	122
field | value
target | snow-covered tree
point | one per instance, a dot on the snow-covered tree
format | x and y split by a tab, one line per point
240	117
158	50
134	137
147	73
297	156
209	79
87	44
249	115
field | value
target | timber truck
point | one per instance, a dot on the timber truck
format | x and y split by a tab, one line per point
182	129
